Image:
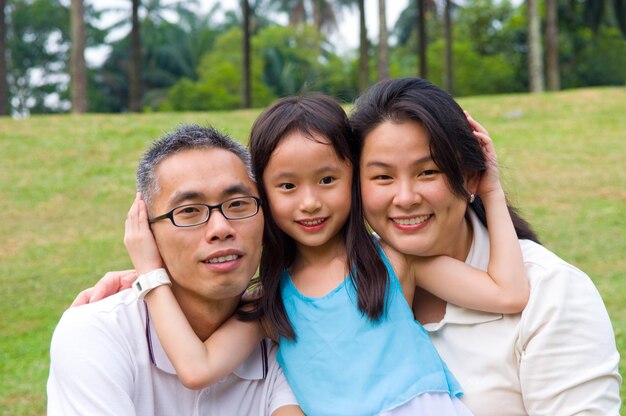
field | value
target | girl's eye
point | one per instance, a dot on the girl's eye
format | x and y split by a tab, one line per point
327	180
287	186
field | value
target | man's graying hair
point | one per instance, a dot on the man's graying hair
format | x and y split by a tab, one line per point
184	137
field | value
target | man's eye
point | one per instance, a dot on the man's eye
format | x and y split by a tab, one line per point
238	204
287	186
189	211
326	180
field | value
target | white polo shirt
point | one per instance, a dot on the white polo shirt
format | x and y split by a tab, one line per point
106	359
557	358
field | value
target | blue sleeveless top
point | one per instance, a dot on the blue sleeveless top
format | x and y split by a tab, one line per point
342	363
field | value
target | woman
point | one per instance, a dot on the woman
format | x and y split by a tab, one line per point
558	357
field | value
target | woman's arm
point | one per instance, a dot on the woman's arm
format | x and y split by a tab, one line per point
504	288
197	363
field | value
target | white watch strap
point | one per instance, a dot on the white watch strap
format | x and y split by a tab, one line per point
146	282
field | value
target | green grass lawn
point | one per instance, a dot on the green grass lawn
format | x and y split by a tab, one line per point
66	183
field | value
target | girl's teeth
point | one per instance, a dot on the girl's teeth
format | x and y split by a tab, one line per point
311	223
412	221
223	259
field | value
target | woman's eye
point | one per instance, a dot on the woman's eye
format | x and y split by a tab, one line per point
429	172
327	180
382	177
286	186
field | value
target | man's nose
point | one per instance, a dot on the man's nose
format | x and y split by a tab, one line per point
218	227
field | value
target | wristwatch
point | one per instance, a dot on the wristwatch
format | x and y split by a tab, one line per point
146	282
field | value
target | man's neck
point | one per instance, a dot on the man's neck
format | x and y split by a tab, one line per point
204	315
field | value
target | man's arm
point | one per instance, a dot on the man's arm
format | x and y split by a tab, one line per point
90	369
569	360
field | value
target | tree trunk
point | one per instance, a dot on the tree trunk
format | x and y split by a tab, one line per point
552	42
383	42
4	85
447	22
247	94
317	14
78	68
421	38
363	49
297	16
535	62
134	73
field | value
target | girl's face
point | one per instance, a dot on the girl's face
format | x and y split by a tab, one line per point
406	199
308	187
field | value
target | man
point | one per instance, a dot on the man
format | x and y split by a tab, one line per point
106	358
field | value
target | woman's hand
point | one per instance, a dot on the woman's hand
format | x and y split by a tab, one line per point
139	240
108	285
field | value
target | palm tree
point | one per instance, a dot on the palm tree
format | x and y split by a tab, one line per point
552	46
78	68
595	11
247	95
364	74
134	69
535	62
4	85
421	38
447	25
413	19
383	42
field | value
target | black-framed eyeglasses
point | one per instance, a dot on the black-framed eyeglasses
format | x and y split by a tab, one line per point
195	214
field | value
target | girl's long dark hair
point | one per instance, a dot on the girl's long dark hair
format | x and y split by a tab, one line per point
453	146
313	115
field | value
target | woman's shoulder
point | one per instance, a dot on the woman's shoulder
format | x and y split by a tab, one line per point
554	281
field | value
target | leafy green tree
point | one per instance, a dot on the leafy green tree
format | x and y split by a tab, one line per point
37	38
170	51
219	80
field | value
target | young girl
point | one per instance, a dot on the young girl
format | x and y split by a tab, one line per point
347	345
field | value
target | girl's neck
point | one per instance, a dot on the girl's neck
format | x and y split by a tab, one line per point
318	270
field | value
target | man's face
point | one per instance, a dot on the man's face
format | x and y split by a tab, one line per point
212	261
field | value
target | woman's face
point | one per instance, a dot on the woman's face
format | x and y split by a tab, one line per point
406	199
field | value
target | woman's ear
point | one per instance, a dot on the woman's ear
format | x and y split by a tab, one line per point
471	184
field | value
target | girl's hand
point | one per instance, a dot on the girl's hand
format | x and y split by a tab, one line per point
489	179
139	240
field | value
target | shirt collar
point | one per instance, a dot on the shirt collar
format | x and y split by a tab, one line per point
477	257
255	367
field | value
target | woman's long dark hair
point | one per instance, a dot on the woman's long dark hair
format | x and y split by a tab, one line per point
313	115
453	147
